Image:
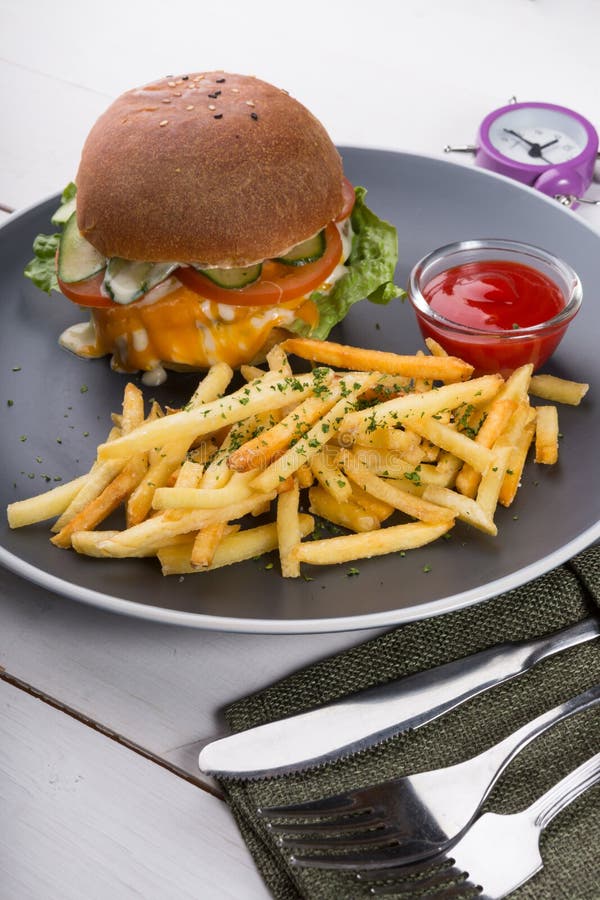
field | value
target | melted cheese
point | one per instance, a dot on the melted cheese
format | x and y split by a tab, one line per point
181	329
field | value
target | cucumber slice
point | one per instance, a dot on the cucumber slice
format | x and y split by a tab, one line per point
233	278
306	252
126	280
64	212
77	259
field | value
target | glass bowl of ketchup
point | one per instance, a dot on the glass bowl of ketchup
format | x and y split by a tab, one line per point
497	304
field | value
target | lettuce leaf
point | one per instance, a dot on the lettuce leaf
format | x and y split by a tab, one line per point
370	274
41	269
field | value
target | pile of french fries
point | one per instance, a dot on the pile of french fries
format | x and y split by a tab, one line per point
363	436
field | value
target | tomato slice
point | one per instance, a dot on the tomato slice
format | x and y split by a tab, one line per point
349	198
86	293
278	282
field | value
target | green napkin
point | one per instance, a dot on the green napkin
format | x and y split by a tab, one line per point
570	845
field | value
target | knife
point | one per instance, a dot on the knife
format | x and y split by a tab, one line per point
372	715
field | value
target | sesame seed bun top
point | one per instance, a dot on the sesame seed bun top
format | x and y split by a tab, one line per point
209	168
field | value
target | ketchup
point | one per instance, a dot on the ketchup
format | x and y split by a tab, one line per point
500	297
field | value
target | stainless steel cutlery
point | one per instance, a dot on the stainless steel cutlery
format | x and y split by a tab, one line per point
406	819
367	717
495	856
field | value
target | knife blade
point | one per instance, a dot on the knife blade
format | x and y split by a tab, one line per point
372	715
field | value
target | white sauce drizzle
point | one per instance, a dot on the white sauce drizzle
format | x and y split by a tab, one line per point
139	339
78	338
155	376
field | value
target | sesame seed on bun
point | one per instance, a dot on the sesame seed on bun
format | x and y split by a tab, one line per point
209	168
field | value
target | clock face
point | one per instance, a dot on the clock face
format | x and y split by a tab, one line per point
537	137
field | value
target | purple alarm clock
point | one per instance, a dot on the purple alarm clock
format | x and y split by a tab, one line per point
548	147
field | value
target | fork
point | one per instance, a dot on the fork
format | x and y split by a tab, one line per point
495	856
409	818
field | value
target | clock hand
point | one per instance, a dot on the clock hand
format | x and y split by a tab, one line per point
520	136
549	144
535	150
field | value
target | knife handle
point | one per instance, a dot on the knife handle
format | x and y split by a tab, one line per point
456	682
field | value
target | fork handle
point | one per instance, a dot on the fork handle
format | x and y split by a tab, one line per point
502	753
562	794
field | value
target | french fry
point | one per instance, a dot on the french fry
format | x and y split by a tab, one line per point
306	447
103	505
499	413
429	451
402	410
409	504
261	450
517	384
97	479
218	471
434	348
420	382
388	386
464	508
455	442
289	533
213	385
558	390
379	509
234	491
44	506
447	368
447	468
348	547
416	454
251	372
347	513
262	395
390	464
491	481
133	408
87	542
516	463
385	438
305	476
154	532
157	475
546	435
325	468
205	544
189	475
234	548
102	473
277	360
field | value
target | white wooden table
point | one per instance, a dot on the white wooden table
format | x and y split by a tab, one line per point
100	795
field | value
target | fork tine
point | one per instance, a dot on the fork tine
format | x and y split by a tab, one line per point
367	799
439	881
337	805
374	837
378	858
338	825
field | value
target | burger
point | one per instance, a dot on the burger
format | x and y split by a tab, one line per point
209	218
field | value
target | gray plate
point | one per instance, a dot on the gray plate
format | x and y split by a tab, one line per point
432	202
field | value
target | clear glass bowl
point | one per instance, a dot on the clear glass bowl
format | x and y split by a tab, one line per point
495	350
